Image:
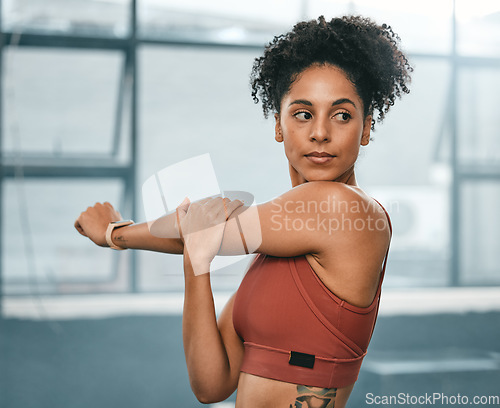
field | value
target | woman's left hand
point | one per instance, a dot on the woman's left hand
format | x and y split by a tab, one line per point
201	226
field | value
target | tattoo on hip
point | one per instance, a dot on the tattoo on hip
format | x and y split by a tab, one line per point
313	397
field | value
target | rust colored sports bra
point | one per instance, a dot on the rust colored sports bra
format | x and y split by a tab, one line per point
295	329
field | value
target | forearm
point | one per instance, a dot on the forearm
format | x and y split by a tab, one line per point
137	236
206	357
162	235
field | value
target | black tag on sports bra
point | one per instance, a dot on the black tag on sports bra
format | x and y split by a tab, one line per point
301	359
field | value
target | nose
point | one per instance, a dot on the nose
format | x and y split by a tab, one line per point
320	131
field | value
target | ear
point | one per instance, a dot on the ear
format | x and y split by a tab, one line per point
367	127
278	133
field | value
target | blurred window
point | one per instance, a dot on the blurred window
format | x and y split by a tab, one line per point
195	99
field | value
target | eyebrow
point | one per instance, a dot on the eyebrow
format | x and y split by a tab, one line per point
334	103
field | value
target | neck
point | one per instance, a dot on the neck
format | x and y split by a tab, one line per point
348	177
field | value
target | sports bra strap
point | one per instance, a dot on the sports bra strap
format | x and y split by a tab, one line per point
386	214
387	252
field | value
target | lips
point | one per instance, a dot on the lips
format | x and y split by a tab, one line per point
319	157
319	154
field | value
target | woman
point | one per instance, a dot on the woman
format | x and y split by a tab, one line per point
297	329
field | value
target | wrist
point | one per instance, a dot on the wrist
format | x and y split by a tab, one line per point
118	237
198	264
114	238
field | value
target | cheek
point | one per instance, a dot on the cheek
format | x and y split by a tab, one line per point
292	145
353	137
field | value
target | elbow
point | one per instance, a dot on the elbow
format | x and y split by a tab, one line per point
204	396
205	399
210	395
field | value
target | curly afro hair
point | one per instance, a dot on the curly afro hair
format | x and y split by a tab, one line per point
366	52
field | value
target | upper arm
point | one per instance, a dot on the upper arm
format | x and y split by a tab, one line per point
306	219
232	344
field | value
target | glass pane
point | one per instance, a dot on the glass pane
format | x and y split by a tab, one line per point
480	235
180	102
478	101
404	167
411	137
478	27
424	26
60	102
161	272
256	22
191	104
76	17
42	251
220	21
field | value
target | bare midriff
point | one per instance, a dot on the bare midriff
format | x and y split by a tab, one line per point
260	392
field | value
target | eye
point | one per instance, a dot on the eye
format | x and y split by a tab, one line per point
342	116
303	115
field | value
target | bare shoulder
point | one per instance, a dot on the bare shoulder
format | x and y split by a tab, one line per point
343	209
342	197
353	249
312	218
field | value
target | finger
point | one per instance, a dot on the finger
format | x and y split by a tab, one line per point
214	203
79	228
233	205
225	202
217	207
224	207
180	213
184	205
178	216
206	200
98	207
111	211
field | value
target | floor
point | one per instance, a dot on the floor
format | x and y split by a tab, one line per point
61	353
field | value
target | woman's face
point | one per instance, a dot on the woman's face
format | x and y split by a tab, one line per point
322	126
